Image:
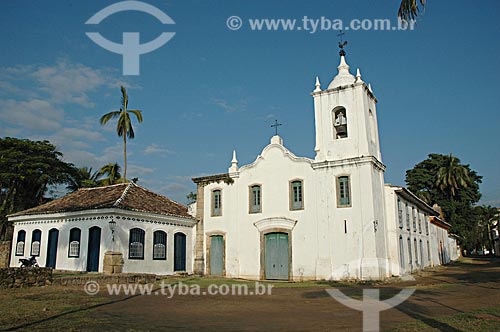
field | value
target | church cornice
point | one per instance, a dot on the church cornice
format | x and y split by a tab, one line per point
286	153
350	161
345	87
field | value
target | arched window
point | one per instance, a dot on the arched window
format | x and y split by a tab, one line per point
36	238
136	244
339	123
21	240
296	195
74	242
255	199
160	245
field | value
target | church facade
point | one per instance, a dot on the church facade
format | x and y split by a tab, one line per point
332	217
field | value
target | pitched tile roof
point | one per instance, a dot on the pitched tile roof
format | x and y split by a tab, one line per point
126	196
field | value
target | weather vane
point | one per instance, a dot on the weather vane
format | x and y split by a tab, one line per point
342	43
276	125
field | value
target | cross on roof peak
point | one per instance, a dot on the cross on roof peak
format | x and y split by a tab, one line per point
275	126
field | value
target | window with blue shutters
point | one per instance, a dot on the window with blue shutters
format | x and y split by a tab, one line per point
36	238
21	240
160	245
136	244
74	242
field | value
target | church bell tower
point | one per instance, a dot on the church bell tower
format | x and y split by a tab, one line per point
348	162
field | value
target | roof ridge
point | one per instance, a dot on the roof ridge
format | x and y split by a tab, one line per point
94	188
125	192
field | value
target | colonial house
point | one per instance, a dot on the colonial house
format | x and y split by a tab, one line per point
149	233
331	217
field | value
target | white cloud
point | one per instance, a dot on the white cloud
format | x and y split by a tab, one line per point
34	114
230	107
157	149
70	83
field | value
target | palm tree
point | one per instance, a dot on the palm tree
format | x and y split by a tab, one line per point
452	176
112	172
84	178
409	9
124	125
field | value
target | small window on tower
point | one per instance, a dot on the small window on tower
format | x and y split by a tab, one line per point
339	123
343	191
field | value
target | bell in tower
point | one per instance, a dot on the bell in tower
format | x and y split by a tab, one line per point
340	124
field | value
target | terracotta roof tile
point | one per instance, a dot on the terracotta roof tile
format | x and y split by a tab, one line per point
122	196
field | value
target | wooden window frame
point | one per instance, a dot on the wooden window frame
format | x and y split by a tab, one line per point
349	191
74	229
291	195
142	237
212	203
250	198
155	242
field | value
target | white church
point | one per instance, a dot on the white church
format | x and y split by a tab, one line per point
282	217
331	217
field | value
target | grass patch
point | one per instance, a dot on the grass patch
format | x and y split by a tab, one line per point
481	320
23	305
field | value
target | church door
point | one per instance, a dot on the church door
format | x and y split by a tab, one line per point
276	256
94	249
216	255
52	248
179	252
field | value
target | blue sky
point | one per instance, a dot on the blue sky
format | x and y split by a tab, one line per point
211	90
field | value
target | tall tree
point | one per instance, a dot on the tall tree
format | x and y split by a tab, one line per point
435	180
84	178
124	125
111	173
410	9
27	170
452	176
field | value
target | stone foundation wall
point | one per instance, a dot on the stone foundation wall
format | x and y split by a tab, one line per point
4	253
106	279
16	277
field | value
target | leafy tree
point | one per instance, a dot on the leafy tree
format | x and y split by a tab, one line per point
410	9
27	170
84	178
111	173
452	176
444	180
124	125
191	198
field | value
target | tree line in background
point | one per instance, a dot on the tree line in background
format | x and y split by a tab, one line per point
443	180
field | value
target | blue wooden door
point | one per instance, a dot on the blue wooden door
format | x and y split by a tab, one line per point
216	255
179	252
52	248
276	256
94	249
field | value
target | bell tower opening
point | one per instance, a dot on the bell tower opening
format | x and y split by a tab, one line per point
339	123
